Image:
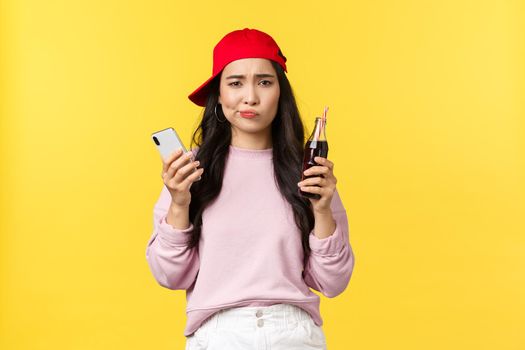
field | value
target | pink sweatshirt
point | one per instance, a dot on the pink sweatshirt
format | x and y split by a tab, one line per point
250	251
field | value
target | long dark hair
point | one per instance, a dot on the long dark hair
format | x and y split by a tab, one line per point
214	139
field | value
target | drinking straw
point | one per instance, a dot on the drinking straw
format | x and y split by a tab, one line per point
324	116
318	130
323	123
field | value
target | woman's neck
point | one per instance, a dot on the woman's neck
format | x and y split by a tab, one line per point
254	145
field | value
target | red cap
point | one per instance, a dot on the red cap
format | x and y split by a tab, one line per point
245	43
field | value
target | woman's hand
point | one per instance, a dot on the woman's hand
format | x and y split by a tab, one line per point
179	173
327	184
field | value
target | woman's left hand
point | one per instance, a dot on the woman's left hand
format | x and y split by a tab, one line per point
326	183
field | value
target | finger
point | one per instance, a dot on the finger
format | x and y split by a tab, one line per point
179	163
313	181
316	170
324	161
170	159
167	162
196	176
312	189
186	170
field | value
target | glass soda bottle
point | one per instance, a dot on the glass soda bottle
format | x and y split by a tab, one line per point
316	146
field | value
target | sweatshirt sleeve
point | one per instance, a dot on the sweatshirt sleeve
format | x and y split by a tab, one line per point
171	267
331	261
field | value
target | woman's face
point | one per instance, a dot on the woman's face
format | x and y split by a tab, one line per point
249	84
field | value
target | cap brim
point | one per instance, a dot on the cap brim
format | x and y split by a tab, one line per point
200	95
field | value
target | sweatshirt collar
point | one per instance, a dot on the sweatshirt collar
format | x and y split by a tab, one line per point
251	153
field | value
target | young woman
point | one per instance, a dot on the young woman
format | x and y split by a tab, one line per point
236	234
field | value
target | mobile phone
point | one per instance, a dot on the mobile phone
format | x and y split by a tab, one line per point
167	142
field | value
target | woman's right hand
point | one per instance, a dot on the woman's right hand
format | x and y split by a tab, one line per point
178	176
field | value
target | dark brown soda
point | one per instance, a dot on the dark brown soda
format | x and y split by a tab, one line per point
313	149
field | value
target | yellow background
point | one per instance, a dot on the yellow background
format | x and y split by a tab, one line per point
425	129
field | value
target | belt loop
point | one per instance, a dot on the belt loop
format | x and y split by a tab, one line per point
215	321
298	313
292	314
286	322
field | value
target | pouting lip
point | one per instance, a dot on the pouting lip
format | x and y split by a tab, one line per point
248	111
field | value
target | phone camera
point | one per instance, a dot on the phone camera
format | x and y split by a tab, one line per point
156	141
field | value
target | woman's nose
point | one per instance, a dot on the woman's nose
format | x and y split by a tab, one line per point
250	96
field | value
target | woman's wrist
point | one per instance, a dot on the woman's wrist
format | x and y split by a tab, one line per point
178	216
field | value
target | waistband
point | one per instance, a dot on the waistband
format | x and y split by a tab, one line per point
278	316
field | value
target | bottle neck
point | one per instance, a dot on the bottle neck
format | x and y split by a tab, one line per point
319	131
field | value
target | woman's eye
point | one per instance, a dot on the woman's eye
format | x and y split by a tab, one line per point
262	82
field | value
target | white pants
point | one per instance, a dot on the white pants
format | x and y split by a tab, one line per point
275	327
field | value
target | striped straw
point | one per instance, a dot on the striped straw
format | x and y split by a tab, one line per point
324	116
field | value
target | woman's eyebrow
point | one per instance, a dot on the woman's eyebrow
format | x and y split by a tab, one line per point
262	75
